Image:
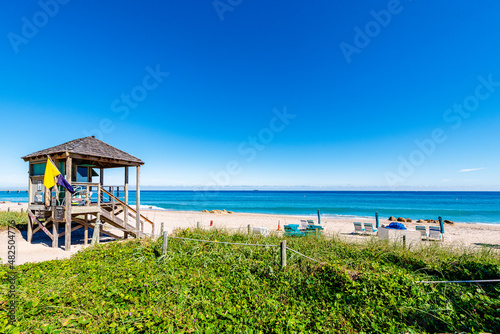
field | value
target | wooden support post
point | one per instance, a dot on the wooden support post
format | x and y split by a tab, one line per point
161	228
101	225
87	195
99	196
29	237
97	230
55	233
165	243
67	235
8	209
125	209
89	174
249	229
283	254
138	200
101	182
30	191
198	225
86	235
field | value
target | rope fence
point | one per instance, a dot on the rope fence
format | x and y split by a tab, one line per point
307	257
224	242
470	281
283	246
111	228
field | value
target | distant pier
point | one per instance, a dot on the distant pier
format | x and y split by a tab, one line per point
13	191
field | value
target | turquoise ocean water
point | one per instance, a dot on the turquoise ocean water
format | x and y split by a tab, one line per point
469	207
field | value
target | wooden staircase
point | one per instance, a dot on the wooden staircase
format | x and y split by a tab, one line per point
110	218
110	212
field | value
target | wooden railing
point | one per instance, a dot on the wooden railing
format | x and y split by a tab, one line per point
91	193
128	206
116	191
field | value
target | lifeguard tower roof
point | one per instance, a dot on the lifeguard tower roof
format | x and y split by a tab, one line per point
89	148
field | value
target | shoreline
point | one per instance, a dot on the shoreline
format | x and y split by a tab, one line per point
154	208
323	215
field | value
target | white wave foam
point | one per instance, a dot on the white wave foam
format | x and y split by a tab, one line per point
152	207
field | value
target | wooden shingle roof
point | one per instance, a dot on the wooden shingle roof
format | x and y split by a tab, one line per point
87	147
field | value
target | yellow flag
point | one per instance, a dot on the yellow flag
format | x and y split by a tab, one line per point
50	173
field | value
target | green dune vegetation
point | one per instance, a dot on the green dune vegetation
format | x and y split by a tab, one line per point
20	218
129	287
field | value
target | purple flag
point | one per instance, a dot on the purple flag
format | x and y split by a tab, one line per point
62	182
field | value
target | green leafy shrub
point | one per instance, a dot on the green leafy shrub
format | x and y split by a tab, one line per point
18	217
211	288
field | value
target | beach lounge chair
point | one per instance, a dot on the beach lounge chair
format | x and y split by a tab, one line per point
435	233
369	229
311	229
293	230
303	224
423	231
358	228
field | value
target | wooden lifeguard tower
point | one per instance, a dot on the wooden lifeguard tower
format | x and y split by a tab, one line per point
81	162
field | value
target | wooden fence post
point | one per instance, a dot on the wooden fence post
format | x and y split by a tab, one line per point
198	225
8	209
248	228
55	233
165	242
283	254
29	237
162	225
97	232
86	235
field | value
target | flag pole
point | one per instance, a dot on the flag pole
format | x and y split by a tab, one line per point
52	161
55	181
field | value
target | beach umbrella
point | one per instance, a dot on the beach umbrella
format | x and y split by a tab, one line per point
376	219
441	226
319	218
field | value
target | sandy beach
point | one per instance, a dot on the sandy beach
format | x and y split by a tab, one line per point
459	234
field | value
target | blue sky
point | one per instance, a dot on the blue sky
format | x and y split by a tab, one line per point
235	92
